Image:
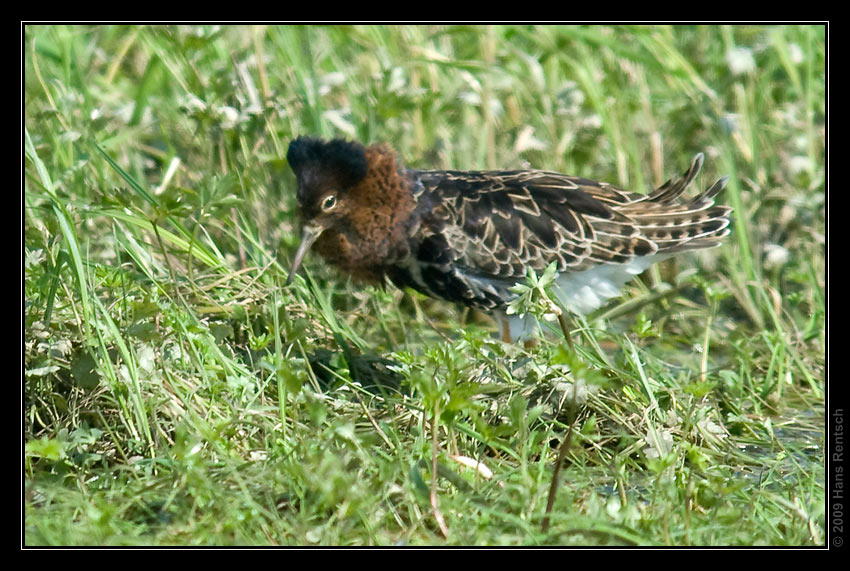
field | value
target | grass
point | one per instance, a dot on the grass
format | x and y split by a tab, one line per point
175	393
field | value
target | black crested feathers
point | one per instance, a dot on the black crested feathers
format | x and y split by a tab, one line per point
326	164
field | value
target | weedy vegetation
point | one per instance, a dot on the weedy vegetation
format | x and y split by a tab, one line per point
176	393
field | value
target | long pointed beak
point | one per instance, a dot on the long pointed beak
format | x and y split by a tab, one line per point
308	236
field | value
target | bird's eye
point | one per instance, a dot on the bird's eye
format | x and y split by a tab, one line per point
329	203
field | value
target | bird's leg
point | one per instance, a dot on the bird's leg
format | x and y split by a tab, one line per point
566	330
506	330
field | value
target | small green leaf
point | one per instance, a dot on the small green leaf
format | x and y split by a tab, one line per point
47	448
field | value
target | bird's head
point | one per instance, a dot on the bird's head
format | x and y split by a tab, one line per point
326	172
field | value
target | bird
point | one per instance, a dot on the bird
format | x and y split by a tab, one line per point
470	236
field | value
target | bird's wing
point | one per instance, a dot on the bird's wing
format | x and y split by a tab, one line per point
501	223
484	230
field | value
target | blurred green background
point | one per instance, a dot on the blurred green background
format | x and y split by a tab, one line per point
176	393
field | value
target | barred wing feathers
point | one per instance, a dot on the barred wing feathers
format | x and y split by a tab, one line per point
483	229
